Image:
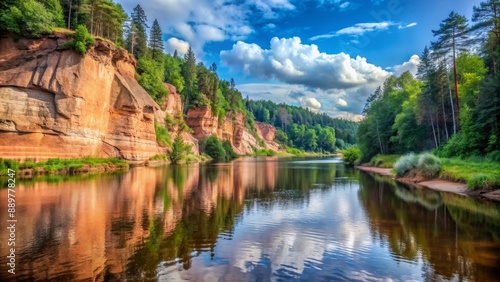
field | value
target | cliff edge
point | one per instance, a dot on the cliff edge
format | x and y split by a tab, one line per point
58	103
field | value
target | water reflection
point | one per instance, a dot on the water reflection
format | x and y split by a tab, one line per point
250	219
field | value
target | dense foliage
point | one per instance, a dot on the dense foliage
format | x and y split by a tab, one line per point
351	156
217	149
454	105
304	129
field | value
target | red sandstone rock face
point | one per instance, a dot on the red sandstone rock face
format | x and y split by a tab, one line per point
173	108
266	131
204	123
62	104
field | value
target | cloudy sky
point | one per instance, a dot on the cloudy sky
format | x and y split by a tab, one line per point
328	55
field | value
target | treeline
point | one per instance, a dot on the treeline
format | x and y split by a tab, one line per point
304	129
453	107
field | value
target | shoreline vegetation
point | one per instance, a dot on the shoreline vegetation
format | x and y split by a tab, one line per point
476	177
87	165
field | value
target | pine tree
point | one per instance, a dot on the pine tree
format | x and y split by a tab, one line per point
155	40
452	37
139	19
487	19
189	72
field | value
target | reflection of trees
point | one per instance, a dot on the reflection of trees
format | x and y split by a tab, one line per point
195	215
454	235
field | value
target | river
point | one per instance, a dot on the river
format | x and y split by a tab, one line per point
252	219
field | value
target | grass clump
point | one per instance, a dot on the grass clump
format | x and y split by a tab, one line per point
294	151
478	181
265	152
470	170
429	165
384	161
406	164
351	156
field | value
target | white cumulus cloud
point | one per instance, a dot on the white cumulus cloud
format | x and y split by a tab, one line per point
290	61
411	66
341	102
173	44
310	103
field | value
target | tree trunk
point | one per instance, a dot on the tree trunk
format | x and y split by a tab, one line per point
438	130
452	111
444	119
455	75
433	130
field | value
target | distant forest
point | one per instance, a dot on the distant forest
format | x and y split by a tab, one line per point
304	129
199	85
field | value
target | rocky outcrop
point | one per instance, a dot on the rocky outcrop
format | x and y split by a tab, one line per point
203	123
58	103
172	118
267	132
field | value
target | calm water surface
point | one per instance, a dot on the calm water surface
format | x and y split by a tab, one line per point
254	219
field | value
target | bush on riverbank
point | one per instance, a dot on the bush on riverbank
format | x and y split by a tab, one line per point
351	156
426	165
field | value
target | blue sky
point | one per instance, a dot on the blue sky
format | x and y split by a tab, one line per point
327	55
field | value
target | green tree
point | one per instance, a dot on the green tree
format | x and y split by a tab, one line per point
139	20
452	37
156	41
189	73
27	18
487	19
150	77
54	6
179	149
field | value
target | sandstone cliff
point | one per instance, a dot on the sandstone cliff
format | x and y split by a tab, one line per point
203	122
58	103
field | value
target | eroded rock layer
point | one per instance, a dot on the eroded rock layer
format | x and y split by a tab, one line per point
58	103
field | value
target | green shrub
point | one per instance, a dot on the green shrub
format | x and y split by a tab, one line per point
212	146
406	164
478	181
351	156
229	150
162	136
6	164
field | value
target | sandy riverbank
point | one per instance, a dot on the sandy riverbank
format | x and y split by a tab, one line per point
436	184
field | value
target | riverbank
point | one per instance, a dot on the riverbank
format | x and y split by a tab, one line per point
436	184
88	165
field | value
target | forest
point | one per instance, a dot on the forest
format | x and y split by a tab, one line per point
452	107
303	129
198	84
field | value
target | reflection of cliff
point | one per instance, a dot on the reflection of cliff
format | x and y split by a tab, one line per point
454	249
117	227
